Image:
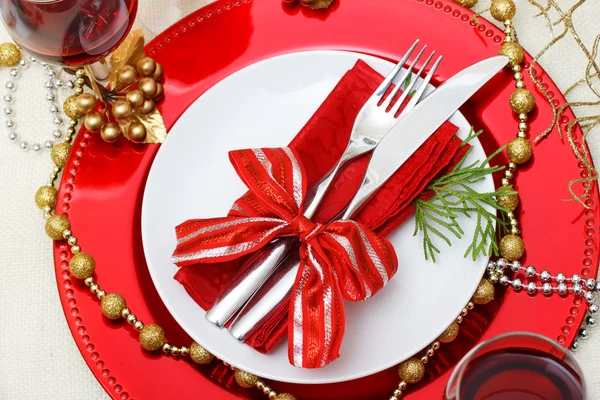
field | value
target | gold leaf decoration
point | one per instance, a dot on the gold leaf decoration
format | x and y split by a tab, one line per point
131	50
153	122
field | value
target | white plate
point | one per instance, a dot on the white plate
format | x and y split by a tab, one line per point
265	105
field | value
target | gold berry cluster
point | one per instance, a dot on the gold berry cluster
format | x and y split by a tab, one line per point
137	90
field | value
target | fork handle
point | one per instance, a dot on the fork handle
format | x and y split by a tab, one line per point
253	274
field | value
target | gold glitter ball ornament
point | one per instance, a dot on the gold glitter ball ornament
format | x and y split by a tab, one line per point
60	153
10	55
55	226
511	247
513	51
450	333
284	396
245	379
112	305
466	3
70	107
519	150
152	337
82	265
503	10
199	354
484	293
522	101
46	197
411	370
510	202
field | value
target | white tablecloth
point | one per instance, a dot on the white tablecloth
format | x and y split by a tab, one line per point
38	357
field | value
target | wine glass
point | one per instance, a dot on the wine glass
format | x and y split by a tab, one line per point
68	32
518	366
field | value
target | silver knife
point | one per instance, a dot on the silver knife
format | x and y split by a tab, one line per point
391	153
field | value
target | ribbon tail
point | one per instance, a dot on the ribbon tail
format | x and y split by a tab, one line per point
223	239
317	318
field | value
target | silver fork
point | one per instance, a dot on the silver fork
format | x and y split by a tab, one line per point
372	123
278	287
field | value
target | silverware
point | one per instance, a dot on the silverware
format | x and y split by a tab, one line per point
371	125
391	153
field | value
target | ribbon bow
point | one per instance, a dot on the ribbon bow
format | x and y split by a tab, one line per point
343	259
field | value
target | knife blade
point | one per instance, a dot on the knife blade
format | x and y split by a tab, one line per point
391	153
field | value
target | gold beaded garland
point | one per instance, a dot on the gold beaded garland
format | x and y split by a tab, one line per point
510	202
411	370
484	293
245	379
450	333
519	150
70	108
502	10
522	101
10	54
60	154
82	265
46	196
199	354
511	247
112	306
513	51
56	225
152	337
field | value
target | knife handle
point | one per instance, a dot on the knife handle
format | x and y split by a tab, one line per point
266	301
253	274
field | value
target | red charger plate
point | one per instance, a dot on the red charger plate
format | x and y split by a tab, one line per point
102	188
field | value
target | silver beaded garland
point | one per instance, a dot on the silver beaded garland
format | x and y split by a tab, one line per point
51	85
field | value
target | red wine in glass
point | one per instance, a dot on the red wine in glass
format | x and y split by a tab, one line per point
68	32
517	367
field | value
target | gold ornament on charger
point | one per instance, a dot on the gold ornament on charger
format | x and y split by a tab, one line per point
511	247
56	225
128	108
152	337
71	109
522	101
513	51
450	333
484	293
82	265
112	305
510	202
503	10
519	150
245	379
411	370
200	355
10	54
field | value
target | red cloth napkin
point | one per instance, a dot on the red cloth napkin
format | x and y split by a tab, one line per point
320	144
